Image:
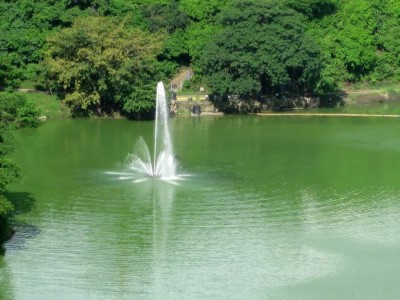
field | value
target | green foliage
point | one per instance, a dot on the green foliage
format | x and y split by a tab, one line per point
313	9
176	50
202	28
9	75
48	105
358	40
262	48
25	25
101	66
165	16
5	206
17	111
198	35
388	42
348	43
200	10
9	172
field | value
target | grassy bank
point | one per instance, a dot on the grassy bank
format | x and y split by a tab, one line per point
385	109
48	105
386	87
359	99
363	94
193	95
305	114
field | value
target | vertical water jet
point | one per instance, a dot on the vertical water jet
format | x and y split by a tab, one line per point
164	164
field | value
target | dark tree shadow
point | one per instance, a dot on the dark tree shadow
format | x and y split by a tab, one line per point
22	233
331	100
23	202
278	102
19	231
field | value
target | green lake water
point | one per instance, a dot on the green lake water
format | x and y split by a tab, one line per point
274	208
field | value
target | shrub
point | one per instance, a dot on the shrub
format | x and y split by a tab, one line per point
17	111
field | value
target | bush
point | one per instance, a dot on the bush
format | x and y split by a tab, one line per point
119	78
5	206
17	111
5	230
9	173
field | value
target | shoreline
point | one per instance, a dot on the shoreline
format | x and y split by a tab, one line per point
328	115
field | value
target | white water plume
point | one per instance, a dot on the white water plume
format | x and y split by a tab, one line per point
140	165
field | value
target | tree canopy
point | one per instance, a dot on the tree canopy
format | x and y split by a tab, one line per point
15	111
100	65
9	172
245	47
261	48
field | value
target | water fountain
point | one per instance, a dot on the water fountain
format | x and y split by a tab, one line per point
163	165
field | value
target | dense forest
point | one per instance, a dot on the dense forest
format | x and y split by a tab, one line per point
105	56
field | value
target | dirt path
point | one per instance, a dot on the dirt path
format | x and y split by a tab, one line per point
181	77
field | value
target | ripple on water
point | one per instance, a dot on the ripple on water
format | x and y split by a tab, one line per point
231	241
360	214
200	239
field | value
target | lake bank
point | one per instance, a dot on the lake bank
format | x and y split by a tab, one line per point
277	114
366	101
361	101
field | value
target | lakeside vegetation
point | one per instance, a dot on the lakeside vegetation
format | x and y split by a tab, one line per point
15	112
47	105
105	57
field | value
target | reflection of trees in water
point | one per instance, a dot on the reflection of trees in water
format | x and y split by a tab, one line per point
23	233
23	203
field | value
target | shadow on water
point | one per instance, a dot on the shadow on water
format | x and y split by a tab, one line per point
23	202
332	100
21	231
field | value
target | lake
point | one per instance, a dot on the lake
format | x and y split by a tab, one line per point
272	208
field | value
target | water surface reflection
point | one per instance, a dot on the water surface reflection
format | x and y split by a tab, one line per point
280	209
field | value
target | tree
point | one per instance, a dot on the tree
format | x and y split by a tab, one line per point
168	18
388	42
8	75
197	37
313	9
201	29
25	25
16	111
262	48
348	43
165	16
201	10
9	173
101	66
